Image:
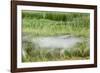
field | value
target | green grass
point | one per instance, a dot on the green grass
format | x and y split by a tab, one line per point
34	26
43	23
81	51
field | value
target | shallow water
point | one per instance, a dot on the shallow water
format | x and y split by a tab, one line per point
63	42
52	43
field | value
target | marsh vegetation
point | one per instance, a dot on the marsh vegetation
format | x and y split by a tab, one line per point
54	36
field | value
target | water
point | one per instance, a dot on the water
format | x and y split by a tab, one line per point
64	42
56	42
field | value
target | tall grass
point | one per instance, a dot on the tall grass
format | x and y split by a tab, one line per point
34	22
81	51
44	23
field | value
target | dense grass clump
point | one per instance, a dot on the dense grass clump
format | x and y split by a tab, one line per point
48	23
